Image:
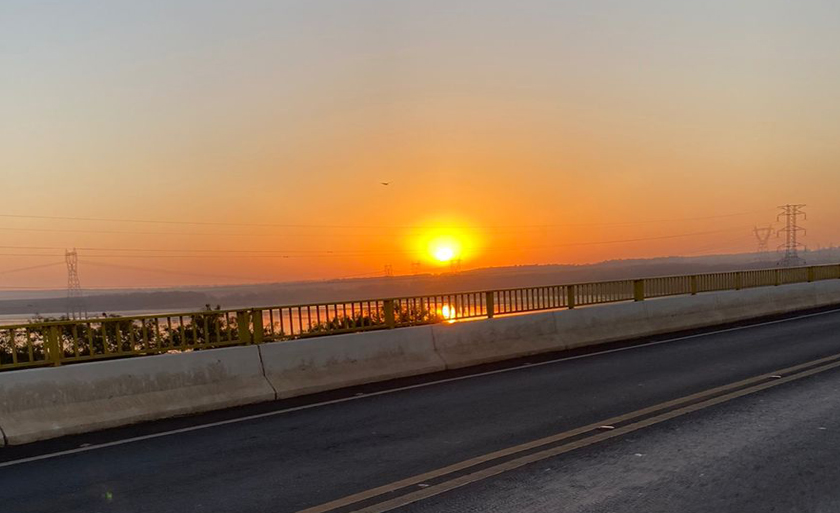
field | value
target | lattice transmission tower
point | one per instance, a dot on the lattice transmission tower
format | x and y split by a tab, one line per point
791	213
762	235
76	308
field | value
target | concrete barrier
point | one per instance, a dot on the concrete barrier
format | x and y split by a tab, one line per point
688	312
587	326
471	343
462	344
43	403
311	365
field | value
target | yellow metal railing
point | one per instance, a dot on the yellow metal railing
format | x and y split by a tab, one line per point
62	342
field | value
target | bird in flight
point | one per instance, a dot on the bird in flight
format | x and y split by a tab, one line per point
385	183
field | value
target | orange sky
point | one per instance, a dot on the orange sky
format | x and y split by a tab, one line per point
539	130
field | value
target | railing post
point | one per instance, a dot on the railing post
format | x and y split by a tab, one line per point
388	306
259	330
53	348
693	281
490	304
638	290
242	326
738	280
811	273
103	327
778	278
570	296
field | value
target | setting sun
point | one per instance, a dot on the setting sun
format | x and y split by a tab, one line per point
445	248
444	241
444	253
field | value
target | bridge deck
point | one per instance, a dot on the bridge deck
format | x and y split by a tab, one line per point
287	460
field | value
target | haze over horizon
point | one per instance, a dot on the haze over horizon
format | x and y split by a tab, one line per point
198	143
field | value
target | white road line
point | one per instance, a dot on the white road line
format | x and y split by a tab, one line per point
389	391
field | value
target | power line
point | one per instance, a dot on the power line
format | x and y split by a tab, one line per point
168	271
28	288
132	232
30	255
641	239
717	246
347	226
354	235
286	253
648	221
191	250
31	267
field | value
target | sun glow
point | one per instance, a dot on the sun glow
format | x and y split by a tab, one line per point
444	253
445	248
444	242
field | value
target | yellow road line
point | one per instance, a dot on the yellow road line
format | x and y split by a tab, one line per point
421	478
538	456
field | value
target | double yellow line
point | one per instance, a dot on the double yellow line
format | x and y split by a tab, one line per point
447	478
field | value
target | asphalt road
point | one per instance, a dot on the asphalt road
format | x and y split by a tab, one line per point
776	451
770	450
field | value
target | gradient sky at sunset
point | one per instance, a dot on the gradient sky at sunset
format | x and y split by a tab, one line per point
533	130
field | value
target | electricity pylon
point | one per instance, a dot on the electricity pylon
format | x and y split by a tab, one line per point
762	235
76	308
791	230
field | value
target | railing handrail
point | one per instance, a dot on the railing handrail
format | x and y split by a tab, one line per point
194	313
58	342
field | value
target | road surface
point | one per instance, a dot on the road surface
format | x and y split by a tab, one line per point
742	419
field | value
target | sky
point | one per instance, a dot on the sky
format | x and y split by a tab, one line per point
188	142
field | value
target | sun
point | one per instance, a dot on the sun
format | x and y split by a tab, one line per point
444	253
444	248
443	243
